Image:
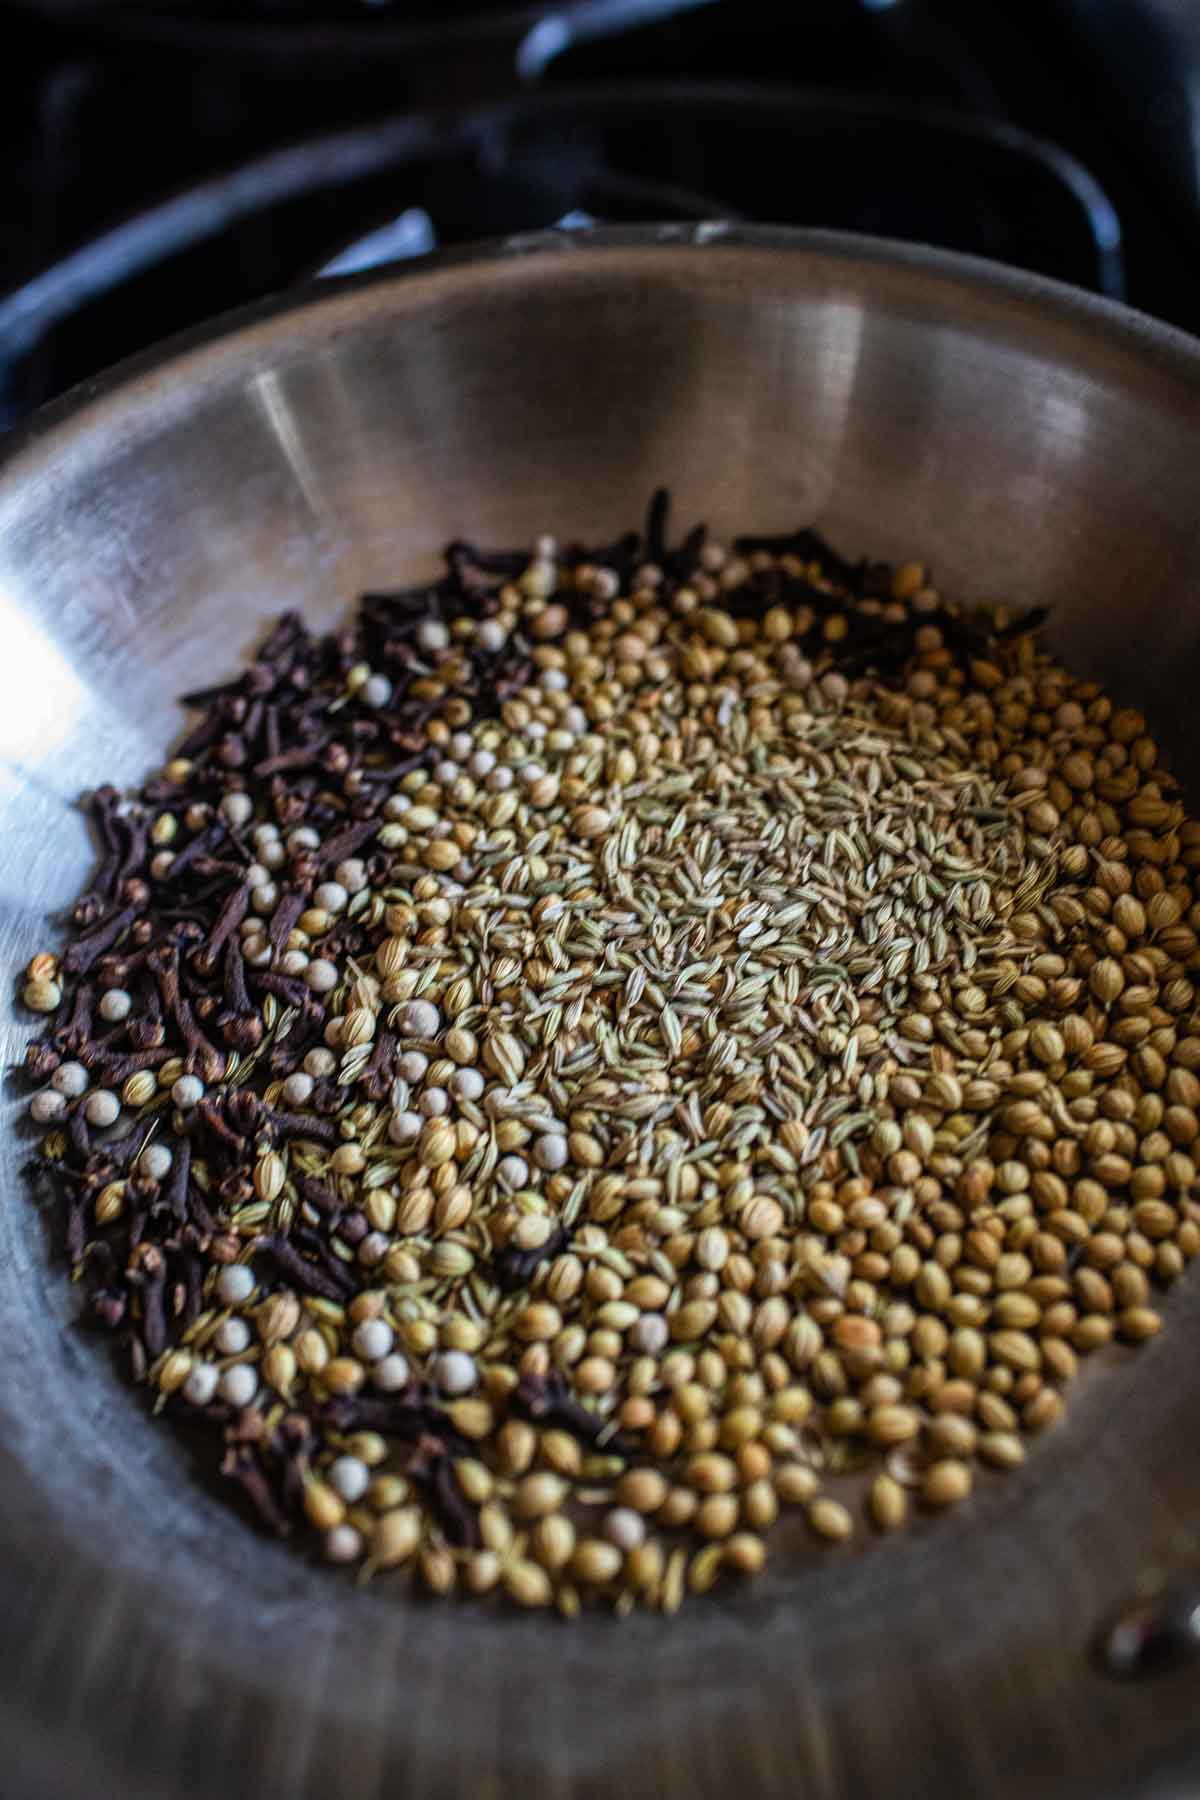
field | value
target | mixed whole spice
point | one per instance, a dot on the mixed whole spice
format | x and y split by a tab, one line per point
584	1059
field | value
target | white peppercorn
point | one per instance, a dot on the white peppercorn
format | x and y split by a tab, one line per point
235	1284
238	1385
231	1337
350	1478
237	810
71	1080
155	1161
420	1018
200	1387
47	1106
391	1373
101	1108
455	1372
343	1544
405	1127
187	1092
297	1089
467	1084
373	1339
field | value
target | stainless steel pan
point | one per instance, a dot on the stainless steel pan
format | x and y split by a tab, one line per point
1027	441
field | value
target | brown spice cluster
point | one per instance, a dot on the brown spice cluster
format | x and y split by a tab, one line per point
615	1043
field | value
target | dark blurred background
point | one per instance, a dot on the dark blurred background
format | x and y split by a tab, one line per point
164	160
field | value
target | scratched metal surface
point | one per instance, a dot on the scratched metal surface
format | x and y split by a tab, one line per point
1029	443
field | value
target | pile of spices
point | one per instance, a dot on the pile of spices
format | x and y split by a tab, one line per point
571	1067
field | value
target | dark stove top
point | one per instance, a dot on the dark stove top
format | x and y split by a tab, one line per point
165	161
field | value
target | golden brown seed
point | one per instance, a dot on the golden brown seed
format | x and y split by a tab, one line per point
270	1173
484	1571
754	1462
791	1405
1042	1411
1155	1218
994	1413
1059	1359
946	1483
887	1503
343	1375
474	1418
717	1515
173	1371
42	995
539	1321
279	1367
740	1426
595	1375
396	1537
761	1219
1106	979
716	626
110	1203
691	1403
595	1562
830	1519
139	1089
1137	1323
585	1150
712	1248
648	1293
495	1528
386	1492
744	1553
560	1451
711	1474
1003	1449
1047	1044
693	1320
951	1435
679	1507
642	1489
539	1494
437	1569
527	1584
644	1566
474	1478
760	1505
591	822
1015	1348
436	1144
312	1352
1091	1333
553	1541
516	1444
795	1483
892	1424
1016	1310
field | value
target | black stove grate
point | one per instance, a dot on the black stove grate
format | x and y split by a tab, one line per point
668	152
976	128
